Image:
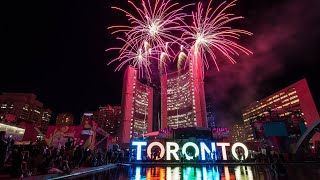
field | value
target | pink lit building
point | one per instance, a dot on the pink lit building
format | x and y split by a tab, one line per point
296	97
137	107
183	98
182	101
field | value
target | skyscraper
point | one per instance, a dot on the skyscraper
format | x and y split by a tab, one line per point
183	98
210	113
109	119
24	106
238	133
296	97
182	101
136	107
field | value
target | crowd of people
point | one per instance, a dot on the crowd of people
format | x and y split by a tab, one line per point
34	159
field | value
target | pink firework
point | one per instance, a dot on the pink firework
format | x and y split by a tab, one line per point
210	33
154	24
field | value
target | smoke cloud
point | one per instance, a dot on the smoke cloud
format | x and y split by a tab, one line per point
281	35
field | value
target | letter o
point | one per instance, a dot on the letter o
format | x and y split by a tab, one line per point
184	150
155	144
238	144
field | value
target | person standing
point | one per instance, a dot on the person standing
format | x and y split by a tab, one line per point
69	146
3	148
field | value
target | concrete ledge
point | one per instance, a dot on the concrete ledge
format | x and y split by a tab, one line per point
215	164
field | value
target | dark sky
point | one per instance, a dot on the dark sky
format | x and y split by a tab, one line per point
55	49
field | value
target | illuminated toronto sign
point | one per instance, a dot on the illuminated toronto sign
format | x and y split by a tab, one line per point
170	149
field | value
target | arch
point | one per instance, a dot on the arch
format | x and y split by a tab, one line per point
307	135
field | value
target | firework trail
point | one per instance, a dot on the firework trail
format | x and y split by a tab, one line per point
138	55
210	33
182	57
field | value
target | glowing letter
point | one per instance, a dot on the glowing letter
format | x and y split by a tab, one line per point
204	149
172	151
139	144
223	148
184	150
155	144
213	147
238	144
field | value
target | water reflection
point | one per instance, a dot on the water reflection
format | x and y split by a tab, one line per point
243	172
199	172
193	173
173	173
138	172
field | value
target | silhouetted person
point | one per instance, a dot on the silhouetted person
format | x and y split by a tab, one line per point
3	148
17	158
68	149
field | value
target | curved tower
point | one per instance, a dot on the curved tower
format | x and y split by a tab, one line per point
183	98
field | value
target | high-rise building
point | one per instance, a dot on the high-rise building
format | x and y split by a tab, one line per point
296	97
238	133
24	107
65	119
210	116
136	107
109	118
182	101
183	98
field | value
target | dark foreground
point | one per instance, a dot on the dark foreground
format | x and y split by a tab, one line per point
189	172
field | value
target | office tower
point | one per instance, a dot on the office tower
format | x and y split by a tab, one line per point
296	97
24	107
183	98
136	107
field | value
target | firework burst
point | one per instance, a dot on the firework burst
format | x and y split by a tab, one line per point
210	33
154	23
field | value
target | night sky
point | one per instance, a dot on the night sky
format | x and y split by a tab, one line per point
56	50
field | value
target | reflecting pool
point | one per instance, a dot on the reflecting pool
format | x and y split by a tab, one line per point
309	172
